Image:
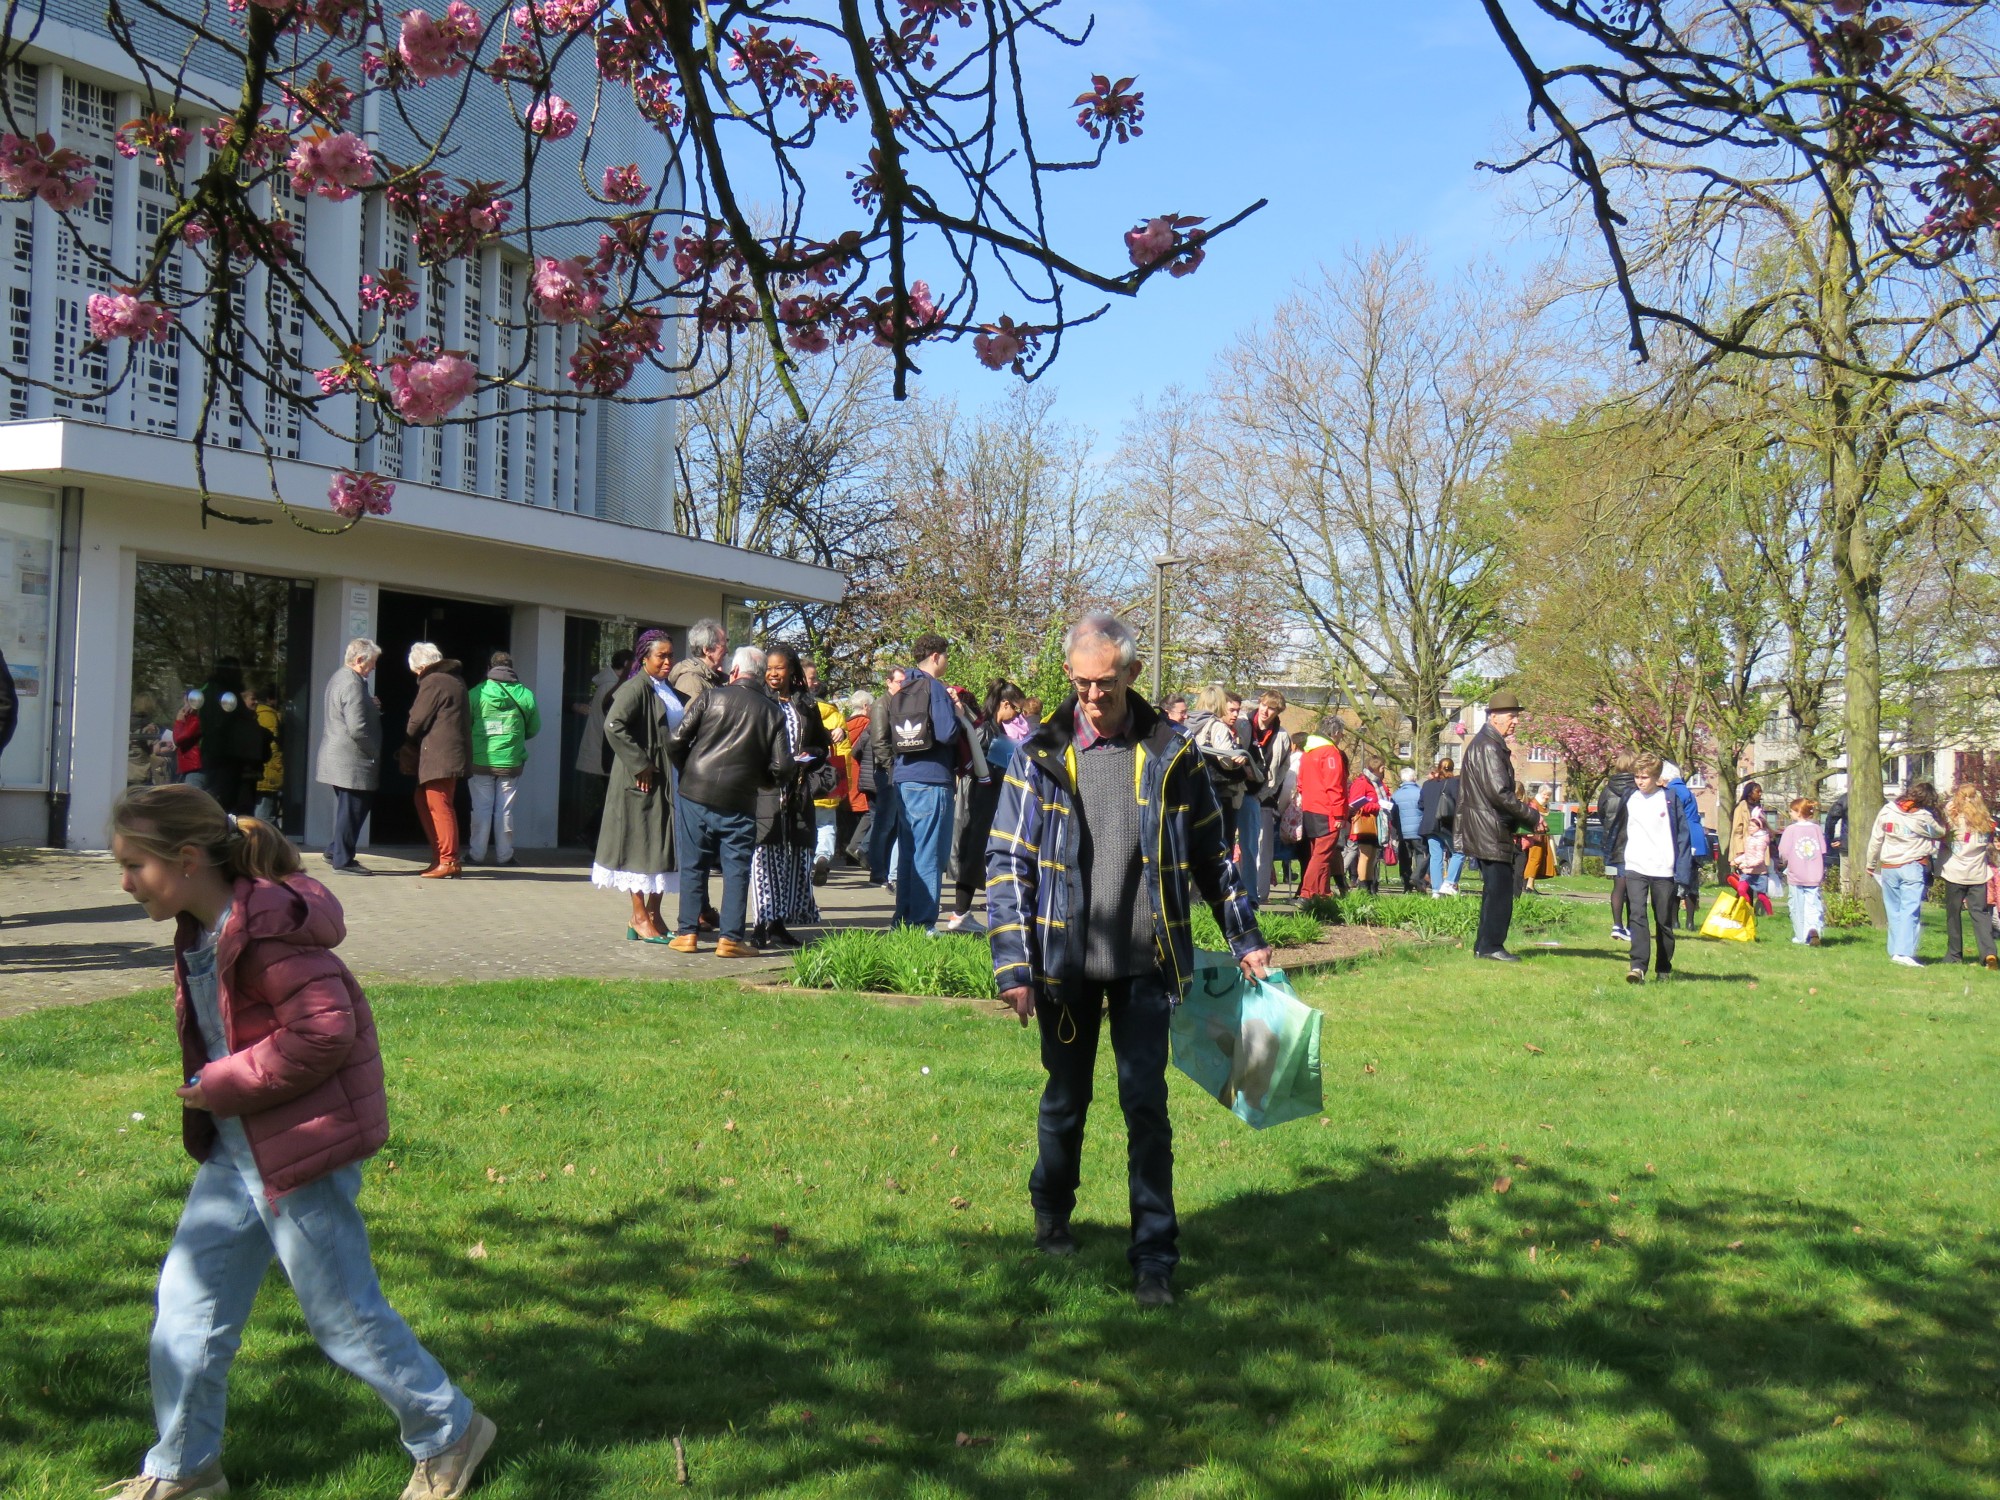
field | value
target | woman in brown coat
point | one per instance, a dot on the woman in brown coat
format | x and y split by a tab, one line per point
438	752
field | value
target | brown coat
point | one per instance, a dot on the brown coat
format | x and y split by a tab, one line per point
441	724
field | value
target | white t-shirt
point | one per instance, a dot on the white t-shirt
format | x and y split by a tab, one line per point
1649	835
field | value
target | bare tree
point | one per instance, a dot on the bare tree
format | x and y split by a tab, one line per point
1373	413
1227	606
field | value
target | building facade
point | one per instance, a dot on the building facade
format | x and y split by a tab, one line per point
541	529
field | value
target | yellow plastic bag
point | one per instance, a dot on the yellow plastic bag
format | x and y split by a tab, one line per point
1732	918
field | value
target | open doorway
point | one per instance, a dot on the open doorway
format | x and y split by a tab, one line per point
465	632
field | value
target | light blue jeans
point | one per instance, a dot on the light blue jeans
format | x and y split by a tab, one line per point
1443	859
826	821
227	1237
1808	911
924	842
1903	896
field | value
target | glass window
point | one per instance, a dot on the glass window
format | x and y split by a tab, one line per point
221	689
28	531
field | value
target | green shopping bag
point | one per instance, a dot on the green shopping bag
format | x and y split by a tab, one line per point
1253	1045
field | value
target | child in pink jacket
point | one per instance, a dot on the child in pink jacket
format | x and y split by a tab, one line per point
283	1102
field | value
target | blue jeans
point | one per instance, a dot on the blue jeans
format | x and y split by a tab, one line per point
1254	822
350	811
1071	1019
228	1234
1441	853
1903	895
712	839
882	833
1808	912
924	844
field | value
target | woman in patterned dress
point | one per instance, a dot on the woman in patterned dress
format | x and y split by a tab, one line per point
781	865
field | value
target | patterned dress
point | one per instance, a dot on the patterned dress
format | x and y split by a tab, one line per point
781	871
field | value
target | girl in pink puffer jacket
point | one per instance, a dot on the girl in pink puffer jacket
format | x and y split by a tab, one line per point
283	1102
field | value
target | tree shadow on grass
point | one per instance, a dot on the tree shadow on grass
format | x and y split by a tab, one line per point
1384	1313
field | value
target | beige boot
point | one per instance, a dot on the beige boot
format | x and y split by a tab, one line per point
450	1474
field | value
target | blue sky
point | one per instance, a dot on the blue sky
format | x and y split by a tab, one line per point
1359	121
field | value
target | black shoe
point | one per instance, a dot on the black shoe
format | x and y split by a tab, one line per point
355	868
710	920
760	935
1500	956
820	870
1052	1236
1663	972
1153	1290
775	936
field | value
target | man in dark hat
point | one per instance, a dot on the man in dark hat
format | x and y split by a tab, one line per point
1488	815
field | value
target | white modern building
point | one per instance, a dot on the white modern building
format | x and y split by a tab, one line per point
543	532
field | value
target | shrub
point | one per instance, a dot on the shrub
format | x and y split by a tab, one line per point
1452	917
1280	929
1843	910
904	961
1592	865
907	961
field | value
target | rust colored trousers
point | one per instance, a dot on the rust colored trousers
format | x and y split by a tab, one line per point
439	817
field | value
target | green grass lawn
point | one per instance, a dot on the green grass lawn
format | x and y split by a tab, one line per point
1730	1235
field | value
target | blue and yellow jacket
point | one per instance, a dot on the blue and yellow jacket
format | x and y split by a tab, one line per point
1034	890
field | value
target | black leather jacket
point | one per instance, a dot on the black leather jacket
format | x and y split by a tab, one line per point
1488	811
730	747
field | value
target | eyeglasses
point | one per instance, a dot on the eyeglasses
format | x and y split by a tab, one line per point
1100	686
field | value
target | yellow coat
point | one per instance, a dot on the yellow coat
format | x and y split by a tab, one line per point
836	734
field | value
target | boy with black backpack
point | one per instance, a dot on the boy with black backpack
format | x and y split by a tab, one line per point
922	724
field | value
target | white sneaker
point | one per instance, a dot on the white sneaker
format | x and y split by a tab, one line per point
449	1475
1447	890
1905	960
1623	934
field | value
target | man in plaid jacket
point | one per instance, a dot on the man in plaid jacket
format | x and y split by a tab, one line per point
1106	816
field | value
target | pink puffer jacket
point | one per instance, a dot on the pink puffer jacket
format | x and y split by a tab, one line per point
303	1069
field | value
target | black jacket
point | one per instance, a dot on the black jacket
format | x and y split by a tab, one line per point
1611	815
730	747
1438	803
1488	811
1836	824
10	704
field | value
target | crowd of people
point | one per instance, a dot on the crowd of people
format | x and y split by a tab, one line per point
1093	828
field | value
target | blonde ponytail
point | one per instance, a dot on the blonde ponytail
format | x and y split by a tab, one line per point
163	820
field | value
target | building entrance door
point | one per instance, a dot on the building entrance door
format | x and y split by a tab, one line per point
466	632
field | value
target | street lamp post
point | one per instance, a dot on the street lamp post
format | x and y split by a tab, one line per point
1160	566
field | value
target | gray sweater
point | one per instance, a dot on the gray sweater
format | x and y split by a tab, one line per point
1118	917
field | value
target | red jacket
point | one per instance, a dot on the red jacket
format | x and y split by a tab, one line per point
187	742
303	1069
1323	780
855	790
1363	796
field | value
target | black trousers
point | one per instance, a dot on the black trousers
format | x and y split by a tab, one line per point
1621	902
350	811
1662	895
1496	905
1971	899
1416	876
1071	1019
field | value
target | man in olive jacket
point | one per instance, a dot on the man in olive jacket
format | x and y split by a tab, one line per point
1488	815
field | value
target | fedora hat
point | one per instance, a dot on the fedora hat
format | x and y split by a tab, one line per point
1503	703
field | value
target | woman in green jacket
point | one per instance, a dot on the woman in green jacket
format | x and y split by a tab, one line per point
504	719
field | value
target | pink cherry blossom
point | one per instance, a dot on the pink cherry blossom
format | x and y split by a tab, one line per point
60	178
126	315
566	291
625	185
552	118
924	314
998	349
439	47
333	166
555	17
357	494
428	387
1151	242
